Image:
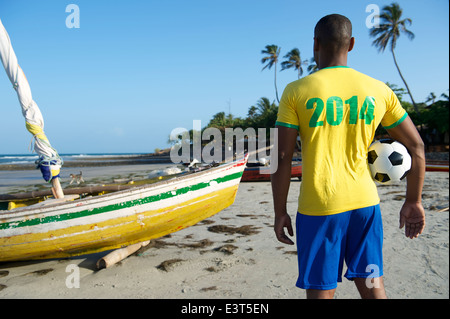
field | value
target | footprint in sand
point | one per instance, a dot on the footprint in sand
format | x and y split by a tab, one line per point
3	273
41	272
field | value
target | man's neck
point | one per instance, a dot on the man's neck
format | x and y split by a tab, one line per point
326	62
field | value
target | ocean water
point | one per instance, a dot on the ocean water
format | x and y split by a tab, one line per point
31	158
14	180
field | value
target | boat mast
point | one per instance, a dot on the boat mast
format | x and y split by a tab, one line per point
49	160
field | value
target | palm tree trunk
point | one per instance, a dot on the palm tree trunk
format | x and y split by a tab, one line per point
407	88
276	90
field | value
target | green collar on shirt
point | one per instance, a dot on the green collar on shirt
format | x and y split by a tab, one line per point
335	67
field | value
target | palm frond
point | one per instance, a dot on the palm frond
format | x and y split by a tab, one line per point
390	28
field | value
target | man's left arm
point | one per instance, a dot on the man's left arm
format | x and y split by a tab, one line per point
412	214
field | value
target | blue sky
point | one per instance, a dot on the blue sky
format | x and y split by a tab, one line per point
135	70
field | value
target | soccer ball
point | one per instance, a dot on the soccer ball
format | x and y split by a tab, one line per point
389	161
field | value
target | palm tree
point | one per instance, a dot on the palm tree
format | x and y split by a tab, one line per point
252	112
431	98
293	61
266	112
273	51
398	91
219	121
389	31
263	106
312	67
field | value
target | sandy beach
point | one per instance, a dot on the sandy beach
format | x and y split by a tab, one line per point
233	254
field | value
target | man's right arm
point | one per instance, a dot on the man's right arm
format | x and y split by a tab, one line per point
281	180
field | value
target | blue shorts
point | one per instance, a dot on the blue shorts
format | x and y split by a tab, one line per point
324	242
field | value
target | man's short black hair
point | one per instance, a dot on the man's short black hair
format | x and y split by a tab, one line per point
333	32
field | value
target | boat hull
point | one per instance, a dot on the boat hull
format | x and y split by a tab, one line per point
436	166
117	220
262	173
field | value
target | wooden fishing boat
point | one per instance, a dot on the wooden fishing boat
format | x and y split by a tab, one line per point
62	228
262	173
119	215
436	166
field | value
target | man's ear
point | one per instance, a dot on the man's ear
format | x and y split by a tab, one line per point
352	44
316	44
316	50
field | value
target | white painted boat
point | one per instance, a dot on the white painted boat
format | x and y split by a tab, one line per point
82	226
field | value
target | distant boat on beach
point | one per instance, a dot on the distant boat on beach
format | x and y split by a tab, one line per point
260	173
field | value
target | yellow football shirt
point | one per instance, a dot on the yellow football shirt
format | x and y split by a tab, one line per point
336	111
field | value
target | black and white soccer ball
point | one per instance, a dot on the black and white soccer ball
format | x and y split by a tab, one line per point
389	161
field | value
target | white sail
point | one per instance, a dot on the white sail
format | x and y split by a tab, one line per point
49	160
